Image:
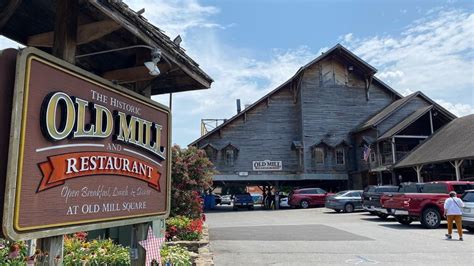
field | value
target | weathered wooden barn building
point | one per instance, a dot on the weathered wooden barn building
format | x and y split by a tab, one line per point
333	124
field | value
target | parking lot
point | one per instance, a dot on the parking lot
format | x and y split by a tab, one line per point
319	236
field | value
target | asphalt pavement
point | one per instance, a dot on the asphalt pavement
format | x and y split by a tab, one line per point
319	236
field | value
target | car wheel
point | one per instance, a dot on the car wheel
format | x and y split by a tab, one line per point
372	213
470	229
304	204
348	207
430	218
235	208
405	220
382	216
250	208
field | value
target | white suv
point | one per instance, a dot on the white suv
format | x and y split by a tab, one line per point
468	210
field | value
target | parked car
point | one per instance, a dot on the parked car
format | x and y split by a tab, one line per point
468	211
347	201
217	199
284	201
257	198
371	198
427	206
375	198
226	199
307	197
243	200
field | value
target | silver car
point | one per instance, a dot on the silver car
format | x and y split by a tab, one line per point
468	210
347	201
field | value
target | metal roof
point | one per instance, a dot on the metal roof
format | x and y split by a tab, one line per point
405	122
455	141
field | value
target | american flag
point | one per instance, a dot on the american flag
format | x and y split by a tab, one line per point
366	153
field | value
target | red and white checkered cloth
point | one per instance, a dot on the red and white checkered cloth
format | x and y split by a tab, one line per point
152	246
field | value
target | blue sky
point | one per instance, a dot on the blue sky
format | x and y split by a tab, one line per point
250	47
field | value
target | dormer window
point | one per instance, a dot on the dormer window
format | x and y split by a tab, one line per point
211	151
340	156
229	157
318	154
230	153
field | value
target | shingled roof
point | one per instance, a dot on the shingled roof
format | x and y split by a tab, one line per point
405	122
396	105
455	141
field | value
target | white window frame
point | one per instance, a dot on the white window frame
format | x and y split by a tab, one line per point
340	149
229	157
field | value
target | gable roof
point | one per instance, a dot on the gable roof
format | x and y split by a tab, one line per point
405	122
336	50
397	105
454	141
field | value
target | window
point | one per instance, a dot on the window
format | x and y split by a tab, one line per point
229	157
372	156
320	191
435	188
340	156
211	153
319	155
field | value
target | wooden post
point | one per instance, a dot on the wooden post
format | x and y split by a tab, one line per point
457	165
54	246
277	196
418	173
139	233
431	122
64	47
65	30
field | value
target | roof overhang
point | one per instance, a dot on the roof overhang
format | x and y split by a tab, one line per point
103	26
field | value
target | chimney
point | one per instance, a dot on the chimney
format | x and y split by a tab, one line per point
238	106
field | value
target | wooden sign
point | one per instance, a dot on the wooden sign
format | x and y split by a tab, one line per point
84	154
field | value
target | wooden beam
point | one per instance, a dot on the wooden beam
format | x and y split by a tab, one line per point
8	12
85	34
65	30
129	75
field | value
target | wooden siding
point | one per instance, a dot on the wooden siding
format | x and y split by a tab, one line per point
395	118
331	109
266	134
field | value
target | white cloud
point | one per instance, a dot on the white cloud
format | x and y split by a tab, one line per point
458	109
433	54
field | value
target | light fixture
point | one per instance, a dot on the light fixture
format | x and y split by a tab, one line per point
151	65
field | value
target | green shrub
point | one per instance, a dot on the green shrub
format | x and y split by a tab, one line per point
78	251
183	228
176	255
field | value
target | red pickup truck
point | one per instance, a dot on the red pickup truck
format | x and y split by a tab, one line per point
427	206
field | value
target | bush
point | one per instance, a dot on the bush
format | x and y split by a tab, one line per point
191	173
183	228
78	251
175	255
12	253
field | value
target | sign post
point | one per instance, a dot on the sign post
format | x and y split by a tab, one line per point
84	154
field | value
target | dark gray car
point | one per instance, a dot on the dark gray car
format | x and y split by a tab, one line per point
347	201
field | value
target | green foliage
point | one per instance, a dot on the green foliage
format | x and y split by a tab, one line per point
183	228
78	251
12	253
175	255
191	173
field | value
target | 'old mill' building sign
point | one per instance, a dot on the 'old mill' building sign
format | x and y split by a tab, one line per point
82	152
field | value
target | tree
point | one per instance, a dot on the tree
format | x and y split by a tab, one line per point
191	174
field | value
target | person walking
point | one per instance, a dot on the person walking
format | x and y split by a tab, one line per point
453	212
